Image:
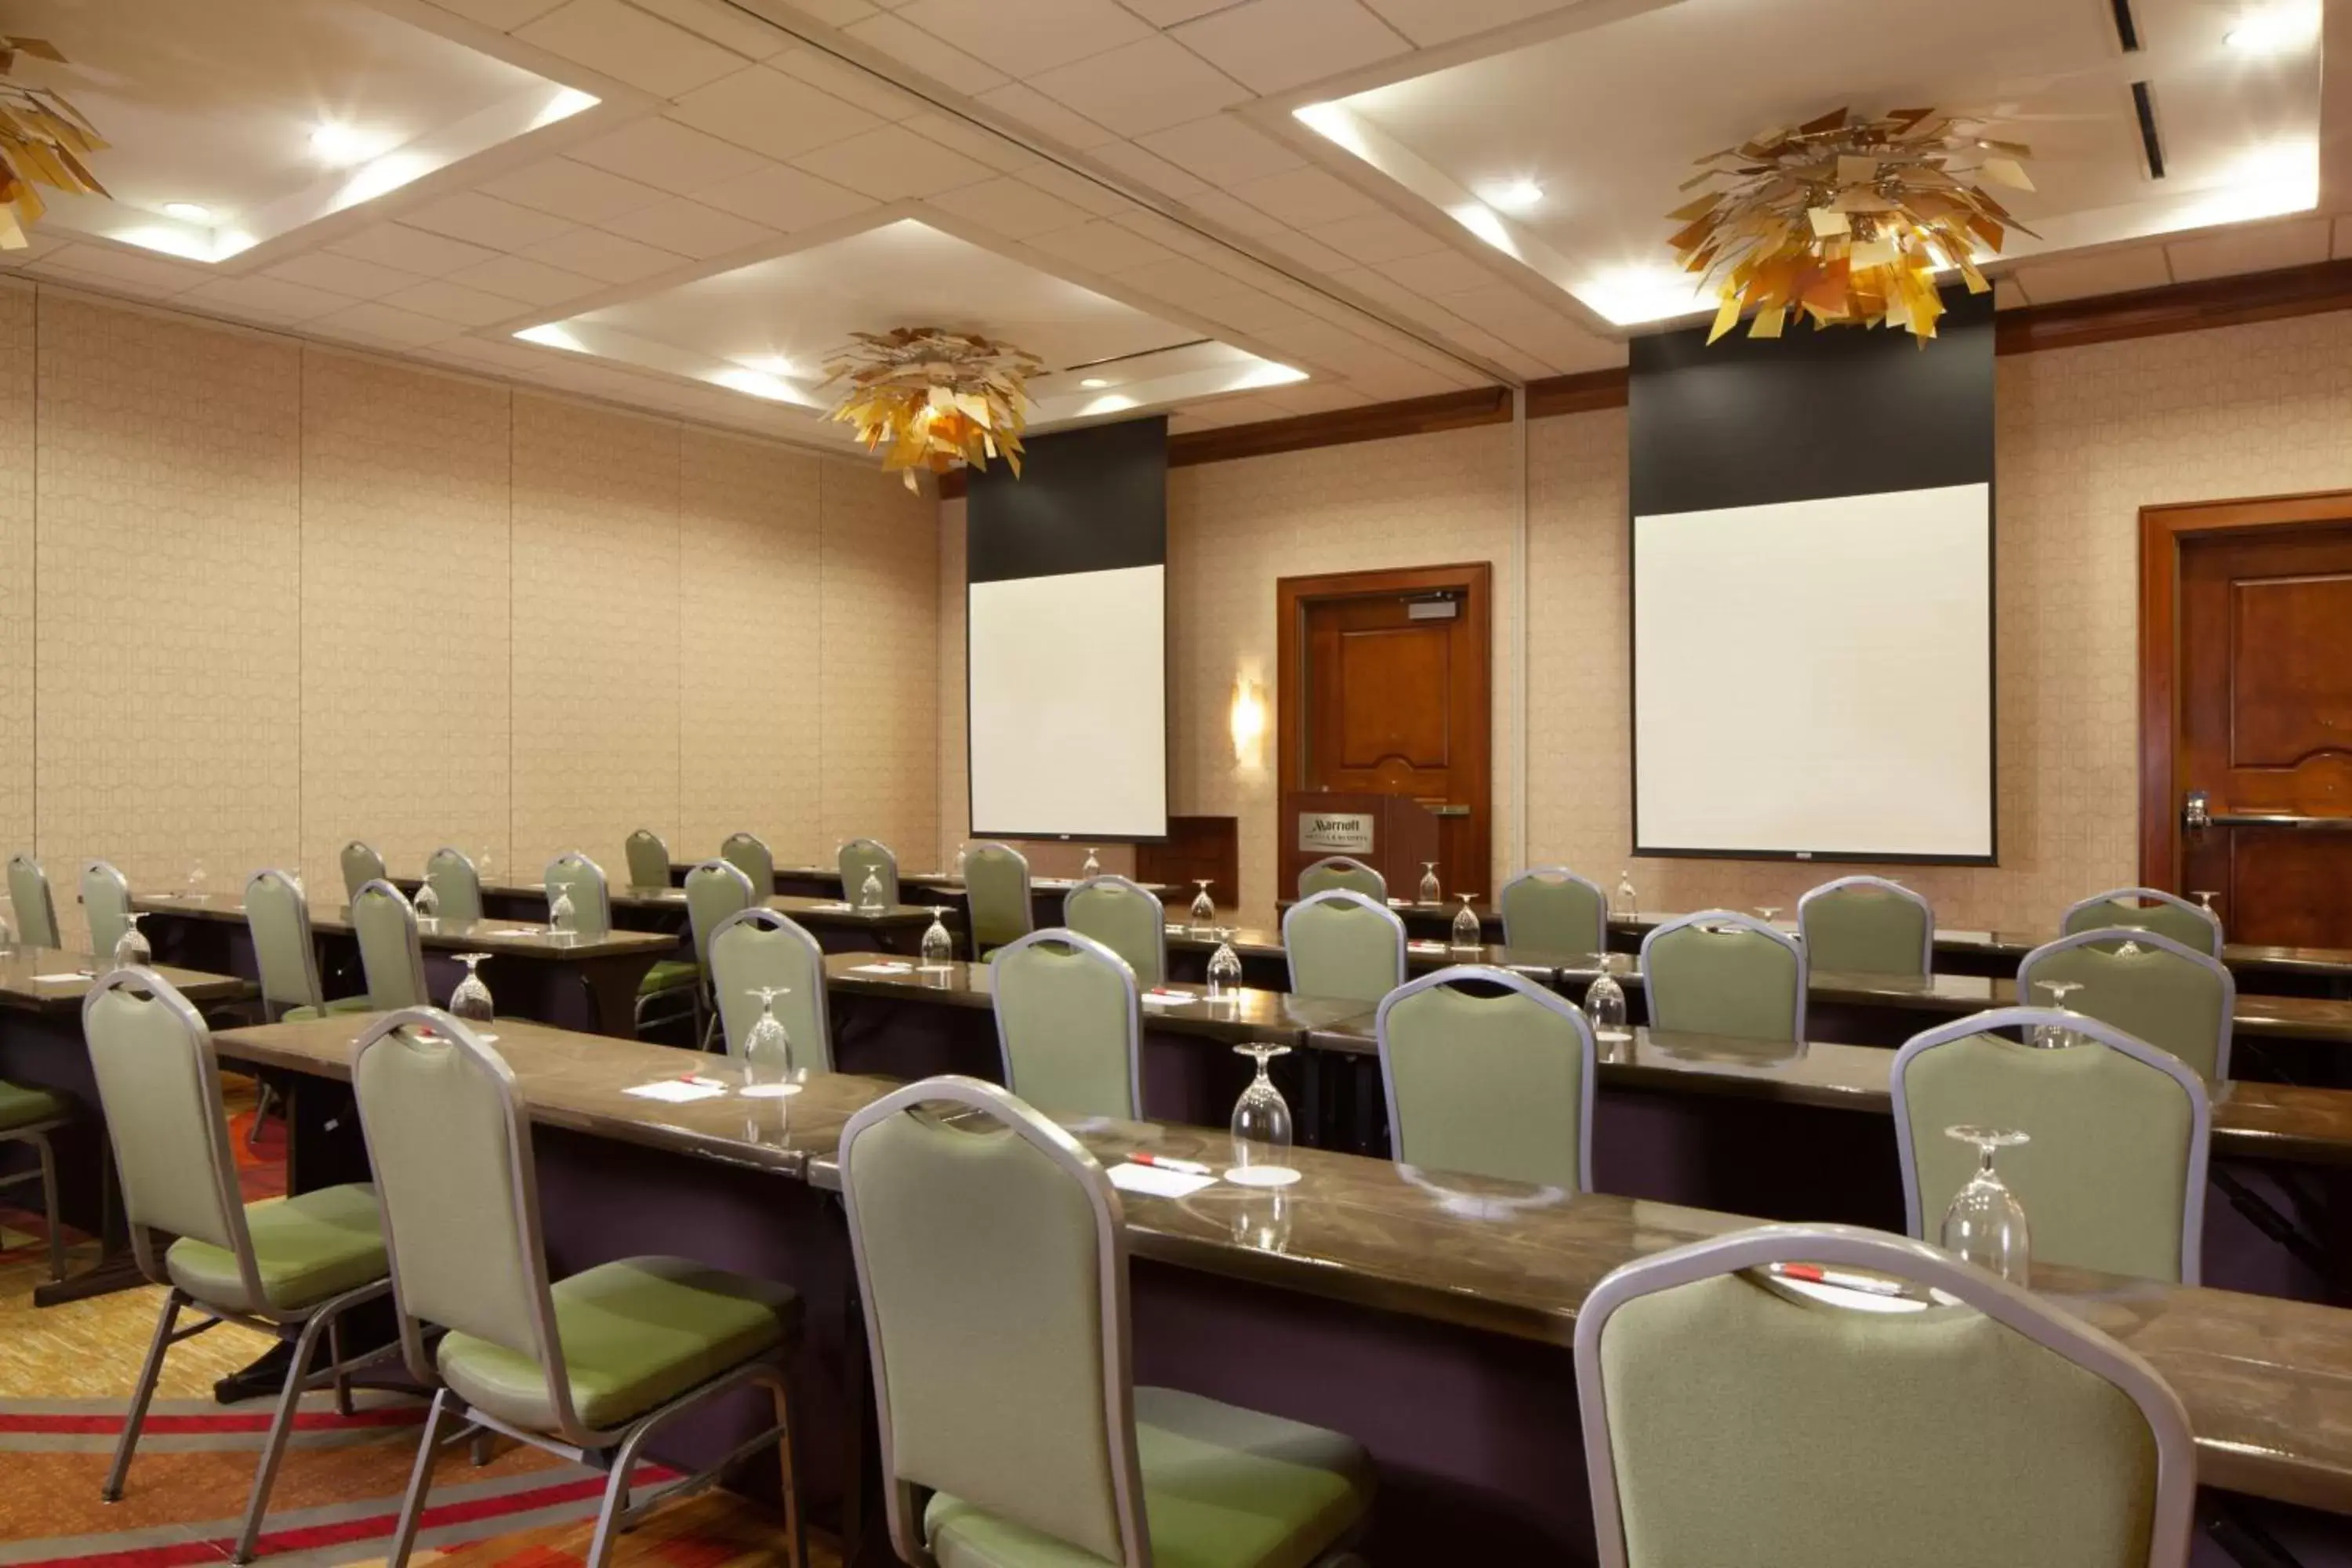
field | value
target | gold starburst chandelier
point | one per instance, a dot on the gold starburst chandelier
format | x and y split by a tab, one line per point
933	397
43	141
1846	220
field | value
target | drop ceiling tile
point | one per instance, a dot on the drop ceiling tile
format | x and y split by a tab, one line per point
1428	22
1077	189
727	26
1480	342
2105	272
1012	207
1033	110
581	191
892	163
1182	281
837	12
487	220
2251	248
1221	150
1168	13
1304	196
1438	274
770	112
629	45
384	323
1252	311
783	198
271	299
447	301
1145	86
1273	46
1229	211
1101	245
410	249
343	275
1000	152
1149	169
854	83
1174	236
661	152
1022	38
934	57
505	16
521	278
1376	237
607	258
690	228
1320	397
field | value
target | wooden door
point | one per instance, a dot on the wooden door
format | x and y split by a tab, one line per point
2261	814
1385	690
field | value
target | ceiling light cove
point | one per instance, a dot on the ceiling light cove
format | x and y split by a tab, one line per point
1108	403
1512	195
552	336
188	212
767	364
2286	27
1093	384
762	383
339	145
1635	295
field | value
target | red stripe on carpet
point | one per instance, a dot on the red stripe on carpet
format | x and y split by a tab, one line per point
184	1425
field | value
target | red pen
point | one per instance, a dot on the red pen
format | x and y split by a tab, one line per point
1189	1167
1814	1274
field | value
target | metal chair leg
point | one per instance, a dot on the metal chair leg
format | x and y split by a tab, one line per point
141	1397
616	1497
263	1095
49	1155
795	1530
420	1480
281	1426
343	1373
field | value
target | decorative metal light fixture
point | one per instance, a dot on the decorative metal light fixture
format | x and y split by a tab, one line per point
934	397
43	141
1846	220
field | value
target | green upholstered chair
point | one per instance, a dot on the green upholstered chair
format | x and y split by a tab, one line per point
28	1116
361	864
991	1261
1552	909
457	887
1069	1023
748	853
1341	942
28	895
860	856
757	948
586	1367
287	1266
573	876
648	859
714	890
106	904
1499	1085
2149	986
1733	1415
1718	973
2145	909
1125	917
389	955
995	896
1342	872
1866	925
2113	1178
278	920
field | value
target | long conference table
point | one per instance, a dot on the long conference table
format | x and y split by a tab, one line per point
1427	1314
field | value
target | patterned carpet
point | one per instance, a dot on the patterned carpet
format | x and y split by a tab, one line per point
66	1378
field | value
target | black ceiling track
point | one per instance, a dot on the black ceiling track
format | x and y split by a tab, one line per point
2127	28
2144	105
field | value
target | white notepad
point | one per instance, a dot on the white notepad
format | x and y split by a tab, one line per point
57	979
678	1090
1159	998
881	969
1156	1180
828	909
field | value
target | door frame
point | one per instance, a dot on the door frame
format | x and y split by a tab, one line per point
1292	595
2162	531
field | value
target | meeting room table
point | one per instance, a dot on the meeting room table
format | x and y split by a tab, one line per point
836	923
925	888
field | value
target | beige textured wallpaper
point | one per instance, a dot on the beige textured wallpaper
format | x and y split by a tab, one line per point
258	598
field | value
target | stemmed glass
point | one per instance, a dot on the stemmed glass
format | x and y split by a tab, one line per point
130	947
1604	1006
1261	1126
196	879
482	866
961	850
1985	1224
472	999
938	947
1092	868
1262	1220
1204	907
427	906
1625	903
2055	1036
1770	911
1224	968
562	917
870	892
1431	892
768	1070
1467	936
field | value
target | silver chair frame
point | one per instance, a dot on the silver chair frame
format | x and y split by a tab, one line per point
613	1448
1879	885
1087	947
1028	893
47	913
407	918
776	920
105	875
1795	948
1551	1001
1128	885
2172	1512
1541	874
2144	896
706	993
889	866
302	1326
2200	1107
1343	895
767	856
645	835
36	1134
314	989
342	862
1345	861
2161	943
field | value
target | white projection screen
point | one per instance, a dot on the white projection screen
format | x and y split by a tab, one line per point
1814	677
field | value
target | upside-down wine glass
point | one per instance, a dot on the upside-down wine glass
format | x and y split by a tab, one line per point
1985	1224
768	1071
196	879
2055	1036
131	946
938	947
1769	912
1261	1125
472	999
1224	968
1626	902
427	906
1432	892
1204	909
563	917
962	851
1604	1006
870	892
1092	868
1467	936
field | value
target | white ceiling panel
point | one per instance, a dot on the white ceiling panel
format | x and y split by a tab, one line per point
630	46
783	198
690	228
580	191
447	301
933	56
661	152
1272	46
2061	277
1014	208
607	258
891	163
526	281
486	221
410	249
2255	247
1143	87
770	113
1022	38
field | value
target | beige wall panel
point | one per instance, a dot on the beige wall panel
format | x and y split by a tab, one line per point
16	598
880	681
405	598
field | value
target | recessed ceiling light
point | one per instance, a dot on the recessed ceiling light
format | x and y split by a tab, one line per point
1109	403
553	336
332	141
188	212
768	364
1094	383
1512	195
2274	29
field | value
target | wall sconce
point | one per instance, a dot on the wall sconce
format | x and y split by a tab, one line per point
1248	720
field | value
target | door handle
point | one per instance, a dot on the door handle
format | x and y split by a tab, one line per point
2279	819
2196	812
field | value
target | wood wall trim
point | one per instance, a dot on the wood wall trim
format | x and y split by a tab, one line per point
2161	531
2274	296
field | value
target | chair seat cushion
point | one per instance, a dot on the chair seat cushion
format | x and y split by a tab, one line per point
1223	1488
307	1248
670	974
635	1333
22	1107
340	1005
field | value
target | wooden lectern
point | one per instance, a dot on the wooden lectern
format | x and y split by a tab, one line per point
1392	834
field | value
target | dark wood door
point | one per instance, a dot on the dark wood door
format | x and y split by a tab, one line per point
2264	678
1393	697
